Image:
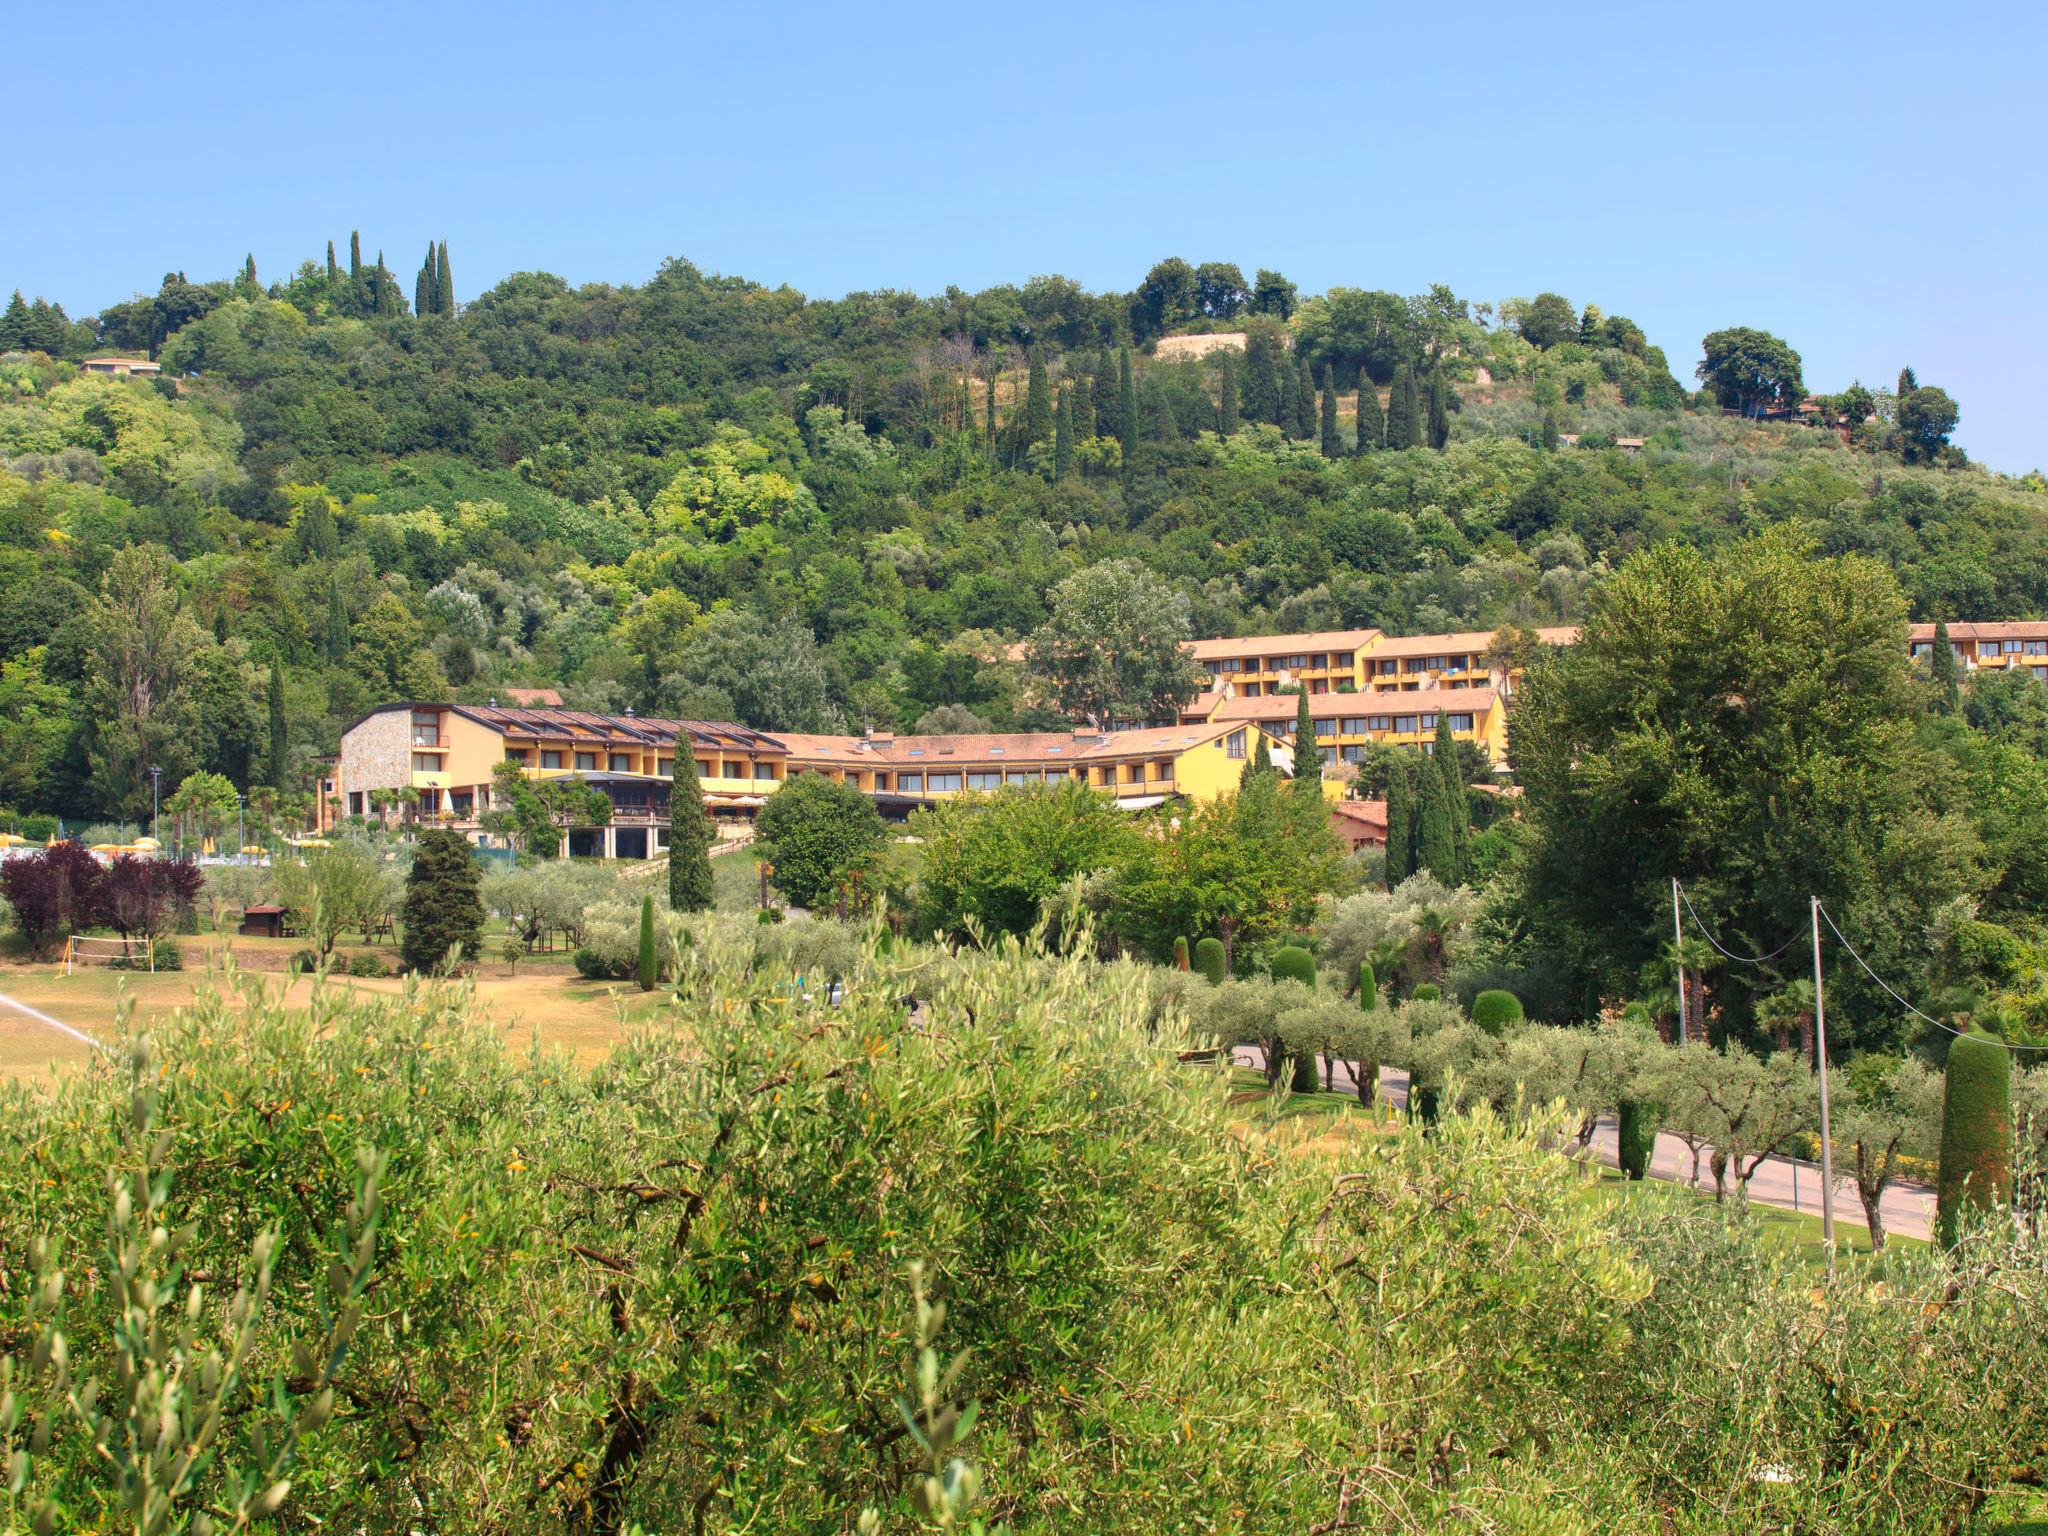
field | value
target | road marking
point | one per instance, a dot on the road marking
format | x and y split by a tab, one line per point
57	1024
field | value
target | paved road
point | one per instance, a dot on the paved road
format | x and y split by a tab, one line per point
1791	1184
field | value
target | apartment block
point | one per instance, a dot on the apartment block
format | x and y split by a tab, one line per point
1990	647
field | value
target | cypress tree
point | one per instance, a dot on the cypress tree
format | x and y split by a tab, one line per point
444	283
1083	389
424	300
1942	661
249	272
1439	410
1063	436
1333	445
333	271
1262	379
647	972
1226	397
1038	425
1283	379
335	641
1128	416
280	743
1159	406
1308	757
1908	382
1436	842
689	833
1456	807
443	909
1976	1132
1402	427
1260	762
1304	402
1400	821
1372	426
1181	960
355	255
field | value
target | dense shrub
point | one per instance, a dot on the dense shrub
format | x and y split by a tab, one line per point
1427	992
1636	1134
1209	960
1291	962
1494	1011
1368	987
591	965
1976	1132
367	965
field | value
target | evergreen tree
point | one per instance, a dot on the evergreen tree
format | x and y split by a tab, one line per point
1372	425
1260	762
648	969
1128	416
1164	426
1226	397
989	404
1400	821
333	271
1439	410
690	833
1308	755
1063	436
1261	388
1038	423
1304	402
1457	808
385	298
425	301
1333	445
249	273
1083	389
355	255
335	640
1975	1167
444	910
1436	841
15	325
1284	386
274	767
1942	660
444	283
1403	430
1908	382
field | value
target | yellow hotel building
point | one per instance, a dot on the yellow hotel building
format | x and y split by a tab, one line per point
440	758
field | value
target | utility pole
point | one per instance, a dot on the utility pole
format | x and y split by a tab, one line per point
1827	1146
1678	957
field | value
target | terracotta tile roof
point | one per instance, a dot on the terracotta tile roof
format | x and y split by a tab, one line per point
526	698
995	748
1462	642
1372	812
1282	707
1283	645
2007	629
582	725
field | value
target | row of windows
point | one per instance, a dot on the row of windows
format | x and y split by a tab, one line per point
1986	649
1402	725
1319	660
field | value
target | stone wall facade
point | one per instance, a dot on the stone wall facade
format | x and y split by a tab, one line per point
377	752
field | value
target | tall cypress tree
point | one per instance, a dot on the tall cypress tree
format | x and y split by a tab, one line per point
444	283
1333	445
1403	430
333	271
1372	425
1439	410
1283	377
249	271
1127	415
1260	762
1942	661
1400	821
280	743
1457	809
425	300
1308	755
1436	842
1083	390
335	641
689	833
355	255
1261	391
1304	402
1038	425
1063	436
1226	396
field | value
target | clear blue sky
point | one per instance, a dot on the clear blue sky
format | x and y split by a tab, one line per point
1865	181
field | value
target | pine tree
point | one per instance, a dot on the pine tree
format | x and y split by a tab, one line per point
15	324
443	909
1908	382
1400	821
335	641
1038	423
1942	660
1333	445
274	768
1439	410
1304	402
1403	430
1308	755
689	833
1128	416
1063	436
1457	810
1372	425
1226	397
444	283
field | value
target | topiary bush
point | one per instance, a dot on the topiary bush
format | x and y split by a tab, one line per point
647	969
1209	960
1368	988
1291	962
1428	992
1180	954
1976	1132
1637	1134
1306	1079
1494	1010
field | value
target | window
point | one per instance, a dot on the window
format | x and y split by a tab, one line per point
518	755
1404	725
944	783
1329	754
1426	722
2040	674
1354	725
1134	773
1344	658
2012	647
618	762
586	762
460	801
1987	648
1020	776
2037	648
1163	769
1318	685
1232	665
910	783
1233	744
881	783
983	779
1354	754
764	770
425	762
995	751
1389	668
1326	727
355	802
664	766
1379	722
1921	648
1461	722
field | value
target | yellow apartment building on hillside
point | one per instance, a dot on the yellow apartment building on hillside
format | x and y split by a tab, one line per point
438	761
1988	647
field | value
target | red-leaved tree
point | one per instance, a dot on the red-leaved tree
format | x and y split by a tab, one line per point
53	891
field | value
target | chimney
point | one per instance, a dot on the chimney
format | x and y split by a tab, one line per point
882	738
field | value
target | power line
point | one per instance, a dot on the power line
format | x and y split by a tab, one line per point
1709	937
1929	1018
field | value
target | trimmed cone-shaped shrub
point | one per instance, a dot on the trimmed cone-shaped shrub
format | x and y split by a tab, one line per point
1307	1079
1293	963
1494	1010
1368	988
1428	992
1209	960
1637	1133
1976	1132
1180	954
647	959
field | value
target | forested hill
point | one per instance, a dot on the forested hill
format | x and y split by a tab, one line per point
707	497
